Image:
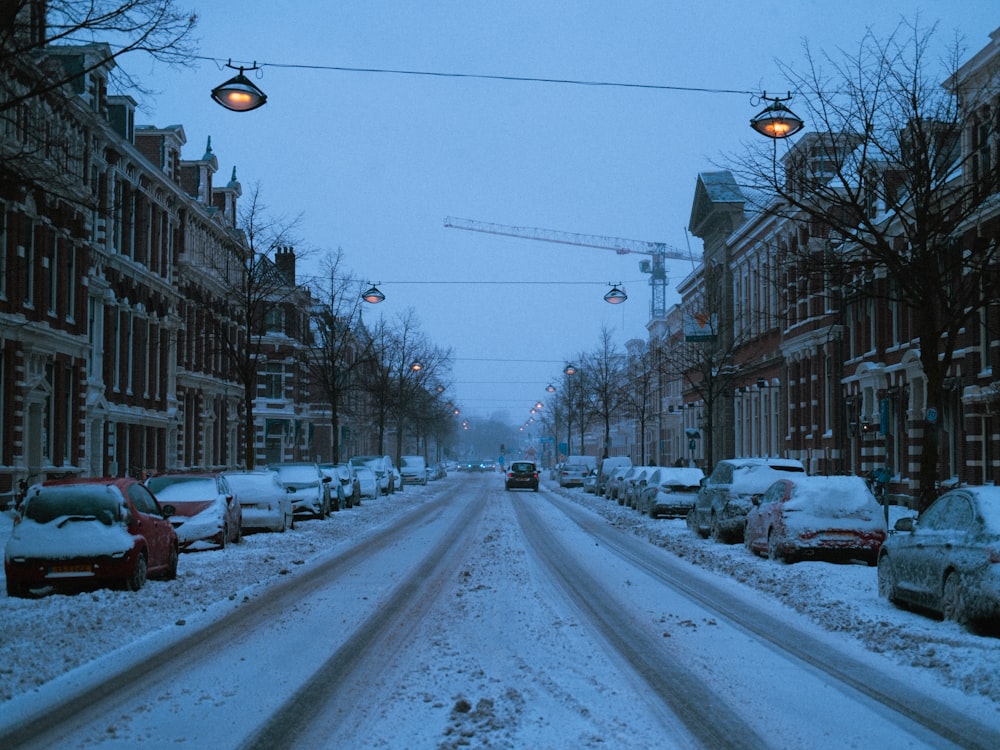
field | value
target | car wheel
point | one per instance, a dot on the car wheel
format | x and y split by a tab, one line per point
17	590
953	599
773	551
224	537
715	532
652	511
887	580
138	578
692	523
171	572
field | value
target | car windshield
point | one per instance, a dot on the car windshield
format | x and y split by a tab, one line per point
297	474
56	502
158	484
184	488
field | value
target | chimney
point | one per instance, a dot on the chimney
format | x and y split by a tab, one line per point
284	262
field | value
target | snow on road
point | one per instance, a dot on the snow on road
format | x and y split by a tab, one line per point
46	644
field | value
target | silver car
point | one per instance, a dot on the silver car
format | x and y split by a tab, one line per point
948	559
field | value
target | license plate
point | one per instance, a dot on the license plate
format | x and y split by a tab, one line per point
70	569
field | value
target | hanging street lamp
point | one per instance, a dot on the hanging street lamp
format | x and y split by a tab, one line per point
239	93
616	296
776	120
373	296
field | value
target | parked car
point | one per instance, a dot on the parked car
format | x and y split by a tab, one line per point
438	470
608	467
521	475
948	559
413	469
590	482
206	515
308	487
263	501
85	533
344	475
614	482
338	496
385	471
571	475
721	506
633	483
367	482
670	491
829	518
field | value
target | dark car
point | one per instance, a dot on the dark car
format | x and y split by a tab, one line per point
521	475
721	505
948	559
84	533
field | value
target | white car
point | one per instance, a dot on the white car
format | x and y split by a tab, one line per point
367	482
344	475
308	487
265	503
413	469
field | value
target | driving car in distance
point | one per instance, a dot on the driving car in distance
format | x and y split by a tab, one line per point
947	561
820	517
87	533
206	513
521	475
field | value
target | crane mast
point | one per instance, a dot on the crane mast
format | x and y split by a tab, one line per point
657	251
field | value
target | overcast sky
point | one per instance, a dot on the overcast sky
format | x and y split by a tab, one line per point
375	161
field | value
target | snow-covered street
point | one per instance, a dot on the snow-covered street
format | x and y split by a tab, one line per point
468	631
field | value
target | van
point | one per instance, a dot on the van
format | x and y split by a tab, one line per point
608	465
413	469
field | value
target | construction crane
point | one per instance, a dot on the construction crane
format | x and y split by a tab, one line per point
658	252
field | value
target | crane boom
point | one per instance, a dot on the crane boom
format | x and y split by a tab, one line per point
658	251
618	244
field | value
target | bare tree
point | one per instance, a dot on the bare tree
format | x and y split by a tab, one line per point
883	191
637	396
53	46
337	353
604	375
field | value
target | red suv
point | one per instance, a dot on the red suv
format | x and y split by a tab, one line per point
87	533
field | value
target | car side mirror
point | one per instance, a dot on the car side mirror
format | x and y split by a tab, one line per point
326	479
755	499
168	510
905	524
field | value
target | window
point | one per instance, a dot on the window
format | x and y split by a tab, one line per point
4	244
273	385
29	265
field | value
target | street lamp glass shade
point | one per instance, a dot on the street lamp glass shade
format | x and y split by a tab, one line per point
777	121
550	388
570	369
373	295
239	94
616	296
416	367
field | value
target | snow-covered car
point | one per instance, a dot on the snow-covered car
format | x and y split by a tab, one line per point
721	505
343	474
413	469
85	533
206	515
264	503
826	518
521	475
590	482
948	559
307	486
385	471
614	482
367	481
572	475
670	491
633	483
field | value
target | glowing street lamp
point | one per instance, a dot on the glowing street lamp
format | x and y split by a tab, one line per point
239	93
776	120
